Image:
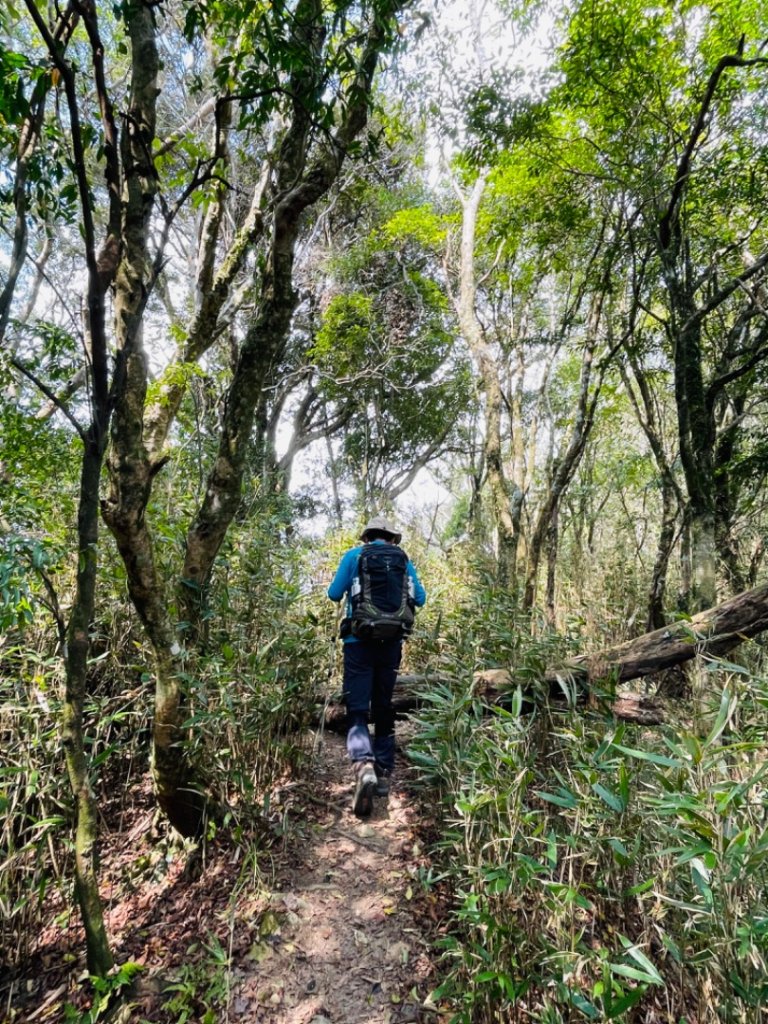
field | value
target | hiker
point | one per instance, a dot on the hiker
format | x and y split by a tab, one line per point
382	590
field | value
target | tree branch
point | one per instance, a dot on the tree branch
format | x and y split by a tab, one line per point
50	395
683	168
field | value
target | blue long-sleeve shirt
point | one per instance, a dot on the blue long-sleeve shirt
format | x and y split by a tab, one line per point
342	581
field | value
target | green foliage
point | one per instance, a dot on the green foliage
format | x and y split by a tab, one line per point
251	694
277	44
385	347
419	223
14	67
57	352
106	992
638	75
176	375
249	699
35	489
20	557
342	341
500	118
596	872
25	80
34	814
594	867
201	990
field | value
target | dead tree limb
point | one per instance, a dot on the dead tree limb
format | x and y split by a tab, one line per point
712	632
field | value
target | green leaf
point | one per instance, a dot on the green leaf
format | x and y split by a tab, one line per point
641	887
612	799
646	755
628	1000
640	957
581	1003
637	975
562	799
723	715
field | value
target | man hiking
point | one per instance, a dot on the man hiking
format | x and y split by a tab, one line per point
382	590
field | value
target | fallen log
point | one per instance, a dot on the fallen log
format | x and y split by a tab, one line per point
713	632
495	687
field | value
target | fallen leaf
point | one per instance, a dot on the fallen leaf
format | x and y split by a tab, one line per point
269	924
259	952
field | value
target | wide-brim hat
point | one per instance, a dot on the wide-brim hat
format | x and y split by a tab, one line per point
381	525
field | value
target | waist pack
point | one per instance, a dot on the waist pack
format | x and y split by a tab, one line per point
382	594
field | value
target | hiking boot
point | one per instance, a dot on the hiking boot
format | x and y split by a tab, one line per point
365	786
383	781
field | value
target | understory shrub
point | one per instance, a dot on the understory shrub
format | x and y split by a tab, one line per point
599	870
249	697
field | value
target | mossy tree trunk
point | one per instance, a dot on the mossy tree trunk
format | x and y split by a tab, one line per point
100	273
98	951
302	175
132	464
696	397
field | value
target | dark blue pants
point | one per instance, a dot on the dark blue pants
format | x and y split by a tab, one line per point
370	671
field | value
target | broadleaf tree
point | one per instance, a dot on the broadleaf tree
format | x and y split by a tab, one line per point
292	84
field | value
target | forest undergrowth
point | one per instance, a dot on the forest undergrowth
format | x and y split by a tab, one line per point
584	869
597	870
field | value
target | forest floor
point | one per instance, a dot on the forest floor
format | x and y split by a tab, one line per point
327	926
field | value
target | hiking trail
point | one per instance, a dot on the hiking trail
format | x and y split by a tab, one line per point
339	941
326	923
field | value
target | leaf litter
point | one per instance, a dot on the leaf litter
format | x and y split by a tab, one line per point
328	929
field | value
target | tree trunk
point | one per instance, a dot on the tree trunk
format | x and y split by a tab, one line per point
695	413
506	498
726	503
138	437
259	352
299	187
214	290
669	516
564	467
671	497
552	546
712	632
336	506
131	468
94	440
73	741
703	557
696	432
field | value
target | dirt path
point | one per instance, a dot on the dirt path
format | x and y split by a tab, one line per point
327	929
339	942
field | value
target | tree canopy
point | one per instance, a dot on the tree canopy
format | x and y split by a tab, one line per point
497	270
